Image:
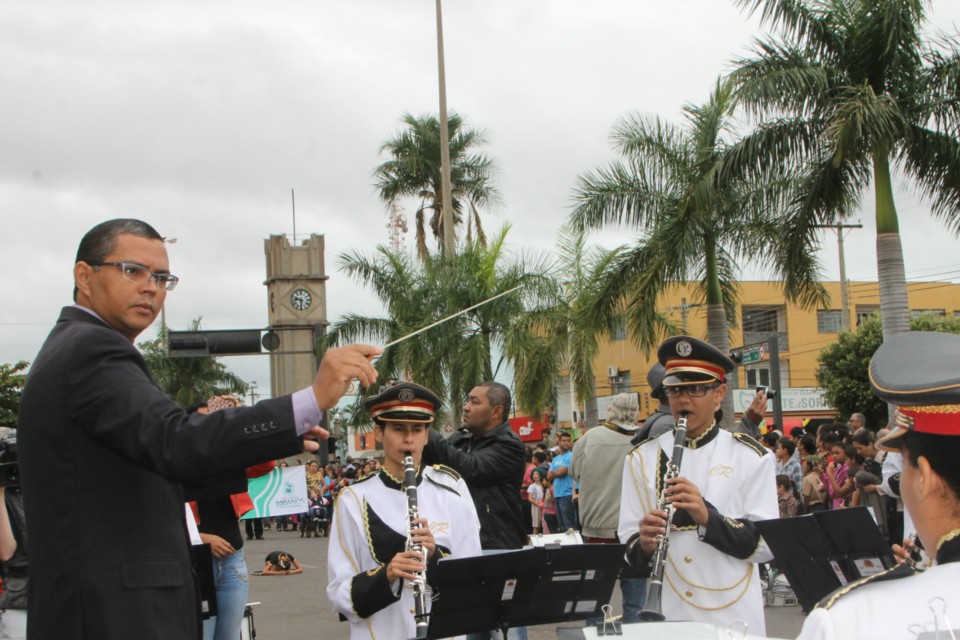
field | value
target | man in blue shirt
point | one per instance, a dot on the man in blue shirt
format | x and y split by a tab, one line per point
563	484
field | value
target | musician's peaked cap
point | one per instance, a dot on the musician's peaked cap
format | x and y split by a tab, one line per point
919	372
691	361
404	402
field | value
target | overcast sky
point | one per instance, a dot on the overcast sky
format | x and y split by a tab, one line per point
199	117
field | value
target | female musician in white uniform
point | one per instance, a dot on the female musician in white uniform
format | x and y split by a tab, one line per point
920	373
726	483
368	564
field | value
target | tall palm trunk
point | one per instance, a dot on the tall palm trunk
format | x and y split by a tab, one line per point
894	306
590	409
717	331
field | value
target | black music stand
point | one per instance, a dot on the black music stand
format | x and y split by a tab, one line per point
820	552
523	587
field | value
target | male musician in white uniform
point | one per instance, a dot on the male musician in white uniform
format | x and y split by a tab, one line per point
920	373
726	482
368	564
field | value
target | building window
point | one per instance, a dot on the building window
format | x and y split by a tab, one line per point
829	320
916	313
864	311
619	329
621	383
758	377
761	319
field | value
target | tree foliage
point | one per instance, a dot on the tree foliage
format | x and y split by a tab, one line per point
414	170
12	377
844	366
696	223
454	356
845	91
189	380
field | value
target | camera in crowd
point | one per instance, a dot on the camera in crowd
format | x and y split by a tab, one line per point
9	465
771	392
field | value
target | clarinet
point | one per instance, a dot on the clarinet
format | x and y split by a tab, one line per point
653	611
419	584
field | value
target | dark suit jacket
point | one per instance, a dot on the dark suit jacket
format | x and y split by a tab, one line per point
102	453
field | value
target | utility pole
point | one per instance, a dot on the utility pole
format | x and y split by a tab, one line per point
844	296
446	202
683	308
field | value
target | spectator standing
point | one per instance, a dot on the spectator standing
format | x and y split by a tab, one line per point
489	456
788	498
525	485
787	462
559	475
535	498
104	452
661	420
218	523
597	465
812	492
835	479
549	508
15	565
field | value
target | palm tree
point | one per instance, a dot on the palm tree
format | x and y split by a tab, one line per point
413	170
547	339
188	380
452	357
695	225
844	90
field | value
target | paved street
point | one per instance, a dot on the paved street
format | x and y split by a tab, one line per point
296	607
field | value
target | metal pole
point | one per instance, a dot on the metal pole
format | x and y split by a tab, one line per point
773	347
844	296
446	201
293	205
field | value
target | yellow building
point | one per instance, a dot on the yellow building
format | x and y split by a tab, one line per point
801	335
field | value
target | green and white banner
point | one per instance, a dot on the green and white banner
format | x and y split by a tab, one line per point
281	492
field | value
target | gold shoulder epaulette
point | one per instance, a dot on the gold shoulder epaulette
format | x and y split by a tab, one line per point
372	474
447	470
643	442
896	572
751	442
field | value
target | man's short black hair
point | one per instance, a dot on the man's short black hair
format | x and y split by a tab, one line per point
809	445
863	437
196	406
770	439
564	434
100	241
789	445
498	395
798	432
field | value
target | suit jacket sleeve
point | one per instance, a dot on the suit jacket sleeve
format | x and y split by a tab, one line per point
490	465
115	402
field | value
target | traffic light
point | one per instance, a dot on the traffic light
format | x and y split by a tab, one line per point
194	344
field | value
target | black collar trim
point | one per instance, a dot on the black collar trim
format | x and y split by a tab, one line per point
613	426
393	482
704	438
948	549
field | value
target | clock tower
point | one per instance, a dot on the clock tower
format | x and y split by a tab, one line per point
297	310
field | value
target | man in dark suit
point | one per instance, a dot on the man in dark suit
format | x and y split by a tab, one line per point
103	452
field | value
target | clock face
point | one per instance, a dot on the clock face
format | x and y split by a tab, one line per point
301	299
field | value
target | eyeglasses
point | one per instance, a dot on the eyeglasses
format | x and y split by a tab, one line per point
692	390
140	274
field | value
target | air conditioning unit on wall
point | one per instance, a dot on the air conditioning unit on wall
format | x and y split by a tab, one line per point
613	371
